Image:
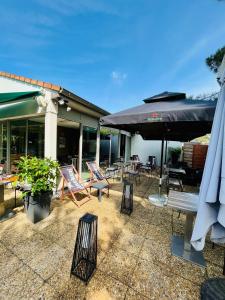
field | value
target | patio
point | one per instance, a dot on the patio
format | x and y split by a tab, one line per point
134	259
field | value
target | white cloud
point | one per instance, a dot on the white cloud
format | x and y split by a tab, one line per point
118	77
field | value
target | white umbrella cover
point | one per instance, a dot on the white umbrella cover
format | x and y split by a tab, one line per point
211	210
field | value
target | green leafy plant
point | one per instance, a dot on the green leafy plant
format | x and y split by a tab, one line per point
174	154
214	60
40	174
108	131
175	151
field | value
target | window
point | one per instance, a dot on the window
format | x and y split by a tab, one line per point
89	145
3	143
35	144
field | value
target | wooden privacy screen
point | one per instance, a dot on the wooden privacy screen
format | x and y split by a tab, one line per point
195	155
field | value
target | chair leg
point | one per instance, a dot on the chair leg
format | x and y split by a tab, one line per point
89	194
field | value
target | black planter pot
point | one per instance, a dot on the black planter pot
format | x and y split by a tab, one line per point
37	207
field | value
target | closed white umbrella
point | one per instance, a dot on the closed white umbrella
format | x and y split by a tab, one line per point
211	210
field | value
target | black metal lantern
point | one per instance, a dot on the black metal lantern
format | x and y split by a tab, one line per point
127	198
85	252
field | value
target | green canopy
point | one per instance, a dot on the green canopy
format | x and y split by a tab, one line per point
5	97
22	107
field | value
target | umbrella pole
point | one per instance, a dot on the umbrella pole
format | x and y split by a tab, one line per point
165	161
158	199
161	167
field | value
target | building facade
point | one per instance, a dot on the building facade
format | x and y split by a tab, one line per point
45	120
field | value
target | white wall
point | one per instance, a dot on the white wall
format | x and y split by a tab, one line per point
145	148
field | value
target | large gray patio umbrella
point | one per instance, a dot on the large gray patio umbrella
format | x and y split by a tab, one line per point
167	116
211	210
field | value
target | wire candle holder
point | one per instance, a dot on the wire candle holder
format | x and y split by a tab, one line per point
85	252
127	198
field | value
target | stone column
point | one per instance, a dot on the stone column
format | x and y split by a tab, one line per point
50	144
80	149
98	146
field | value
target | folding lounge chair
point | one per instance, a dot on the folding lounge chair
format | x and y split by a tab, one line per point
96	174
71	178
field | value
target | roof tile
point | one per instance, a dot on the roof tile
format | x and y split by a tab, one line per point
47	85
32	81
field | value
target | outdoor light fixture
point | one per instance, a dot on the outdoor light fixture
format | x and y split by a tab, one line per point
68	108
85	253
61	101
127	198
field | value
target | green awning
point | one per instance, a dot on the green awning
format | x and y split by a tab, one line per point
23	107
5	97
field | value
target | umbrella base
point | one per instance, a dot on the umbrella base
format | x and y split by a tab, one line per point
180	249
158	200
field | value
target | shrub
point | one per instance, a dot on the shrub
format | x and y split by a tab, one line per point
40	174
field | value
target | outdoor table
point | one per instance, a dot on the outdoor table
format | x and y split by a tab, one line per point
112	170
177	171
181	246
99	186
134	163
6	179
122	166
6	213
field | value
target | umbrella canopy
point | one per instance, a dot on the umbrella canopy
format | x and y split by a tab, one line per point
167	116
211	211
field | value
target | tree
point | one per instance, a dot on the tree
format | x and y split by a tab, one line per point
214	60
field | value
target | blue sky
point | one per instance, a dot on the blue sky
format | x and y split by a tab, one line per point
113	53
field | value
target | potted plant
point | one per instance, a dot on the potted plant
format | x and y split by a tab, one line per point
38	179
174	154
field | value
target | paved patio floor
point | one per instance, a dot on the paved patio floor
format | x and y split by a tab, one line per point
134	258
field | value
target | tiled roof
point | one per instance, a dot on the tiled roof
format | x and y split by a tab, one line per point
32	81
56	88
